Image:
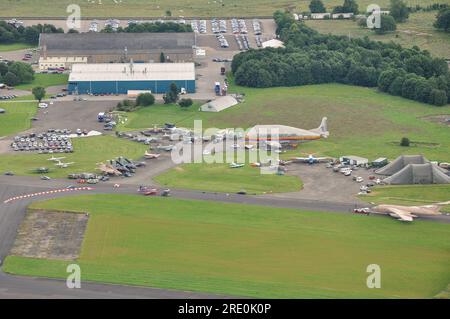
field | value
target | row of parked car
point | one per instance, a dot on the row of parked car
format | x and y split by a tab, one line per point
8	97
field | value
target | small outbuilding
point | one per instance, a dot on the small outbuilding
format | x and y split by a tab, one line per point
354	160
274	43
219	104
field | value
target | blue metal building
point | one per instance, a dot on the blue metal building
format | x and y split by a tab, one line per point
119	78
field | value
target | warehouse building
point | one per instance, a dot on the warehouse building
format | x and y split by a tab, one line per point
118	47
120	78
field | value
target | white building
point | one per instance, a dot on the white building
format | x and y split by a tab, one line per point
342	15
274	43
320	16
59	62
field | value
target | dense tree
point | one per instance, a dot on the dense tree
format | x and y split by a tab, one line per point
11	79
399	11
443	20
172	95
312	58
388	24
38	92
316	6
350	6
145	99
185	102
438	97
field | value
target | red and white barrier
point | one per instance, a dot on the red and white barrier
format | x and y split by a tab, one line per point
63	190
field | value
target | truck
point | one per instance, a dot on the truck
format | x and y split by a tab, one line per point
101	117
217	88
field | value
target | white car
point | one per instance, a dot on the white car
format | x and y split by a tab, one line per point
43	105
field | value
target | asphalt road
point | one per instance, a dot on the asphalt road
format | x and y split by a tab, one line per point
12	214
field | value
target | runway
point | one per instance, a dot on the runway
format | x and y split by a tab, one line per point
12	214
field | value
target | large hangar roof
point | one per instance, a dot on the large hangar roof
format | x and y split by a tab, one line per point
132	72
111	42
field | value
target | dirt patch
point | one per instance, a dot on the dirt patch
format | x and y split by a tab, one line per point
441	119
50	235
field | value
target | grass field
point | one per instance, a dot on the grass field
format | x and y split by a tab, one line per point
142	8
17	117
417	30
410	195
88	152
221	178
254	251
362	121
13	47
44	80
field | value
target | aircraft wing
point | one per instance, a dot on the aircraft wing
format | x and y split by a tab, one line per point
402	215
301	159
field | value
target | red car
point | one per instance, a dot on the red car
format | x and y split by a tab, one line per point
364	211
147	191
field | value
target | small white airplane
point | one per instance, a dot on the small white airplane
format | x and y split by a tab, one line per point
236	165
63	165
148	155
56	159
408	213
311	159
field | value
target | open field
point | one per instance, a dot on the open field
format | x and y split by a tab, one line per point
417	30
254	251
17	117
44	80
142	8
362	121
88	152
410	195
13	47
222	178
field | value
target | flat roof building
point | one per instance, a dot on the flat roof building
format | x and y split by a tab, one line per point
119	78
119	47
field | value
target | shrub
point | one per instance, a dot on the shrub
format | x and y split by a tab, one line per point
185	102
405	142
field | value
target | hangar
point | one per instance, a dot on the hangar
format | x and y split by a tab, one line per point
117	47
119	78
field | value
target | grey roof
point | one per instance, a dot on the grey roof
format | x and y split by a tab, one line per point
111	42
427	173
401	162
219	104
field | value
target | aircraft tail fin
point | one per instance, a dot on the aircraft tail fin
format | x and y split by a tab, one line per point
323	128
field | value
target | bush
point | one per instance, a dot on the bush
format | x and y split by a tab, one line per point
145	99
185	102
405	142
438	97
126	106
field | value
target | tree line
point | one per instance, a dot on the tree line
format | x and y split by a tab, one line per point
16	73
30	35
151	27
313	58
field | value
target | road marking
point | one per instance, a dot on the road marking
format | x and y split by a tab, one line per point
63	190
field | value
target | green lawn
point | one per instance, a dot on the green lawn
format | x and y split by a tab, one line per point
410	195
14	47
142	8
17	117
44	80
88	152
158	114
222	178
417	30
361	121
254	251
